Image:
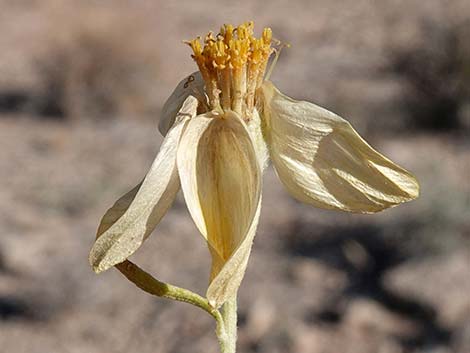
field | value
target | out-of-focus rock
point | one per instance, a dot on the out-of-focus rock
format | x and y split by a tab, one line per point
443	282
260	319
319	291
364	317
344	340
462	338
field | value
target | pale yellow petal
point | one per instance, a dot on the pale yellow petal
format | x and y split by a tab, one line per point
225	284
221	181
191	85
133	217
323	161
256	132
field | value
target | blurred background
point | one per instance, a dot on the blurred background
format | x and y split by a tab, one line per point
81	87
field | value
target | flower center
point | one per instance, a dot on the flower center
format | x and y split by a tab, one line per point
232	65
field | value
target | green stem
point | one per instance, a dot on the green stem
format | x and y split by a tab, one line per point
151	285
228	342
226	321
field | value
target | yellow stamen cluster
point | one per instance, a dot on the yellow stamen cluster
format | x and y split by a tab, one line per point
232	65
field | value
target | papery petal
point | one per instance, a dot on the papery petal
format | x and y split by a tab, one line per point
221	181
323	161
256	131
225	284
174	103
134	216
117	210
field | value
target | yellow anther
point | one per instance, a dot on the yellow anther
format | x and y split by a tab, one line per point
242	32
233	64
256	51
209	38
227	32
219	55
220	47
195	45
267	36
249	26
238	50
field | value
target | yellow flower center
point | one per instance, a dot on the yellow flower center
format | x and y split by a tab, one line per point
232	65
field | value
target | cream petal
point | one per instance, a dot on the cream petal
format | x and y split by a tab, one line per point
324	162
134	216
117	210
225	284
255	129
221	182
173	104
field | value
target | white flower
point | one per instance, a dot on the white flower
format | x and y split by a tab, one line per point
221	124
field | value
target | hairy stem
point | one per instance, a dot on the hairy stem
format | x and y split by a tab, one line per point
228	341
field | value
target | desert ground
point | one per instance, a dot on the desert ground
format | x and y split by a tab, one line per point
81	88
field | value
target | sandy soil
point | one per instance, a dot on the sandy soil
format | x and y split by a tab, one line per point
317	282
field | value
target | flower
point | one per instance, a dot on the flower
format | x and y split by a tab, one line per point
221	124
